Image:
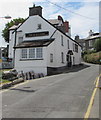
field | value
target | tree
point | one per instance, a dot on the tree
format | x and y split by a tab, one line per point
5	31
97	45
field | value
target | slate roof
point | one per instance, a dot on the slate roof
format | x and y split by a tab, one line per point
54	21
35	43
94	36
14	27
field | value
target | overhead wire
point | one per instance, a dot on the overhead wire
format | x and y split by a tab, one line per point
70	10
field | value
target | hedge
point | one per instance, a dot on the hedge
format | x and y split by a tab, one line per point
93	58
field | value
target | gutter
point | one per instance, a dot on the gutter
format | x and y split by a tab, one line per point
14	48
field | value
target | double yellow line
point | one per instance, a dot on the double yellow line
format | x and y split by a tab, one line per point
96	82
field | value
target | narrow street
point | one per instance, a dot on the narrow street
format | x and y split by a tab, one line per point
64	95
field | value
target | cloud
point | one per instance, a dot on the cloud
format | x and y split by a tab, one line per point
65	1
82	25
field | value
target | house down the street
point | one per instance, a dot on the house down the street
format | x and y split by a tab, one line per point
88	42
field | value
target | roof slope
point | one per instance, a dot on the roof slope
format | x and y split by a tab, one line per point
34	43
54	21
55	28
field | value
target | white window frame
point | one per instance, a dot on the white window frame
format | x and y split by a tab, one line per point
23	51
32	50
39	53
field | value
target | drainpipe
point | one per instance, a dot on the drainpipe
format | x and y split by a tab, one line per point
14	48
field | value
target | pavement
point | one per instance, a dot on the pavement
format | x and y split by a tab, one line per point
65	95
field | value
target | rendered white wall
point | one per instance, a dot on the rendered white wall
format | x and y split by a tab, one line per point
30	26
56	48
38	66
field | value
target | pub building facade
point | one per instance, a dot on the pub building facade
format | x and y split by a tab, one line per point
42	45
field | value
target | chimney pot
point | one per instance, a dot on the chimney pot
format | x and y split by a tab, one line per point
77	37
60	18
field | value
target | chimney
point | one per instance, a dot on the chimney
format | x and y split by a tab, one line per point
90	33
66	26
60	18
77	37
35	10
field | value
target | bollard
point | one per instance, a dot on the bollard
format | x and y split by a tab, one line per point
22	74
30	77
26	76
33	75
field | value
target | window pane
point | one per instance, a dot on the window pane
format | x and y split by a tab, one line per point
24	53
51	57
62	57
32	53
39	53
61	40
76	48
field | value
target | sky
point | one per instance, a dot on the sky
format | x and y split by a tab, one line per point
83	15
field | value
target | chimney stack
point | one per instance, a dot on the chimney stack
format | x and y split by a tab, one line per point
35	10
90	33
77	37
66	25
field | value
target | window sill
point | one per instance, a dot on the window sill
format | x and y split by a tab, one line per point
30	59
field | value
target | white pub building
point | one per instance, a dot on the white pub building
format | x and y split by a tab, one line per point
42	45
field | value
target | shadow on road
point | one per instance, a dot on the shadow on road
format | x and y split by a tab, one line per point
23	90
76	68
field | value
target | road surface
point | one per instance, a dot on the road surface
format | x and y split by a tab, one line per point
64	95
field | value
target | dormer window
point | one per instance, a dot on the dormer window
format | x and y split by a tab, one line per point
39	26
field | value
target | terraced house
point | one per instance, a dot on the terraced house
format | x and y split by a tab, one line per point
43	45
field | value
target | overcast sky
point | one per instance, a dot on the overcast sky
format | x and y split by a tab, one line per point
83	15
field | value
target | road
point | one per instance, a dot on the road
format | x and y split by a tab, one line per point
64	95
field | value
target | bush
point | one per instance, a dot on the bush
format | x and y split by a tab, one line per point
89	51
93	58
97	45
